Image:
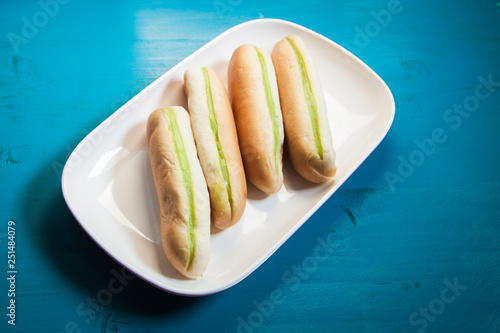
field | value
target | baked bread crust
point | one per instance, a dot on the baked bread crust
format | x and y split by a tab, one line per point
181	190
307	131
258	116
216	140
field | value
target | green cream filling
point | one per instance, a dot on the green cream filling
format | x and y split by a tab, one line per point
310	98
182	157
272	110
215	131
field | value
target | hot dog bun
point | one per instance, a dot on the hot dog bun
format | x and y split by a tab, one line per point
253	92
181	189
216	140
307	130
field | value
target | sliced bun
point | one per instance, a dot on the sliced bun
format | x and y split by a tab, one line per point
307	130
181	189
216	140
253	92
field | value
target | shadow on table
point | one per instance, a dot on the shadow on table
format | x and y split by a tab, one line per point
70	252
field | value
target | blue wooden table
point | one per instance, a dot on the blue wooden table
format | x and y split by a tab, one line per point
416	227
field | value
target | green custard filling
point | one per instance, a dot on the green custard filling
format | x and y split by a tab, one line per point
310	99
272	110
182	157
215	131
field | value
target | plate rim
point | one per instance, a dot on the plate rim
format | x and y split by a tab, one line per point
186	291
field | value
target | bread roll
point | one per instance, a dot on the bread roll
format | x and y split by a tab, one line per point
253	92
181	189
216	140
307	131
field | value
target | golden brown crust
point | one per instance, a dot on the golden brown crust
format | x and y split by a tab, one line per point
222	195
297	121
172	193
253	119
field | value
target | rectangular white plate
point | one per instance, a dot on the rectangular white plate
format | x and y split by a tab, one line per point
108	185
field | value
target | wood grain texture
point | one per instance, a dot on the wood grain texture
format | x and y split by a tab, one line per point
395	243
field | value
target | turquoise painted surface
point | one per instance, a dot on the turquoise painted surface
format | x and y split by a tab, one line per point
415	246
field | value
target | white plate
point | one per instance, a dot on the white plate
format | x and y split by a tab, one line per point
108	185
